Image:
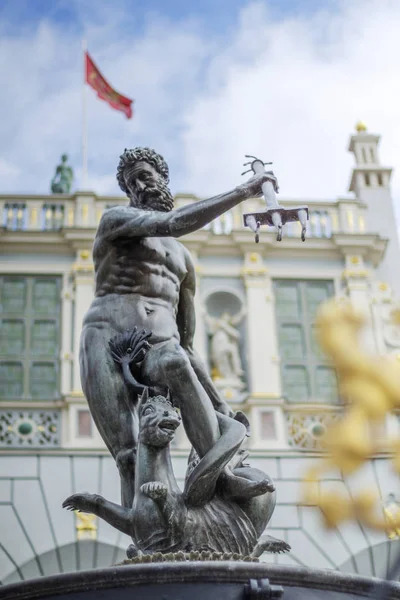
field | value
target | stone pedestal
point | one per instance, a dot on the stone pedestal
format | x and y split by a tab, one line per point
232	390
201	580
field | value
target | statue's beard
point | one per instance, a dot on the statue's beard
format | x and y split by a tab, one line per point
154	198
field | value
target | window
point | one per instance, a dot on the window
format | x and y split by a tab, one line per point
306	374
380	180
84	423
29	337
367	180
267	425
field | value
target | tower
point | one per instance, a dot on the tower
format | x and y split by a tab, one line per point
370	182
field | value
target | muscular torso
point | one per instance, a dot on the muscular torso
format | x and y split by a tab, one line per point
138	283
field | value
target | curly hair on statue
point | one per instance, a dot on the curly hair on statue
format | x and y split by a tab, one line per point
159	400
133	155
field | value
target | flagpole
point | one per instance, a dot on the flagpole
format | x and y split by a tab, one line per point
84	119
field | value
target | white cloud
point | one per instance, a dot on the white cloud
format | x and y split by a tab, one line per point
43	104
289	89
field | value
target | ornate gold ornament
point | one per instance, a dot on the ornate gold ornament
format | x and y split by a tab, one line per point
86	526
84	254
361	126
370	387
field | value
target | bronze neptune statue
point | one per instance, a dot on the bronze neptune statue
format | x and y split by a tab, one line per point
139	368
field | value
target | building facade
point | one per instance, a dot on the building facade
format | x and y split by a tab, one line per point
255	307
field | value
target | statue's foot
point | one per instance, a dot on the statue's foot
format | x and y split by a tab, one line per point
132	551
156	490
271	545
241	488
83	502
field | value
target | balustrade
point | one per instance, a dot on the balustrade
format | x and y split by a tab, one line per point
52	217
15	216
54	212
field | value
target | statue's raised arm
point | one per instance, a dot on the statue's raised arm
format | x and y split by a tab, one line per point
143	175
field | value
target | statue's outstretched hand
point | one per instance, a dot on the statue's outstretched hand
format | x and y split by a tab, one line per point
253	187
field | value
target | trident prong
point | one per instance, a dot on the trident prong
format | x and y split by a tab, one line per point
274	214
255	158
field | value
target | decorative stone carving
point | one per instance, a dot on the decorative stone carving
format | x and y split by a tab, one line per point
224	517
225	346
306	430
29	428
225	312
391	328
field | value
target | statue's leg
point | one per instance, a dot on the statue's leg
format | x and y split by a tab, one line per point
117	516
167	364
236	362
259	509
110	404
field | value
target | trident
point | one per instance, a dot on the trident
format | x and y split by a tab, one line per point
275	215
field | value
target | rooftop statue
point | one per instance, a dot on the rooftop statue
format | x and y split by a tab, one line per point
137	339
62	180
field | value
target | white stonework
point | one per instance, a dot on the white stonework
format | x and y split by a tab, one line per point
351	244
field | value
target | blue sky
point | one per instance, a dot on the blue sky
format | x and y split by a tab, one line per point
212	80
218	14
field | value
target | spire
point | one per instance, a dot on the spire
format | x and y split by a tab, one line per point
370	182
368	172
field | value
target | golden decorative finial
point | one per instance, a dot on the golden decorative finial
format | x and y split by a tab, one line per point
84	254
361	126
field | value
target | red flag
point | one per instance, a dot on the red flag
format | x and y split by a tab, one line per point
104	90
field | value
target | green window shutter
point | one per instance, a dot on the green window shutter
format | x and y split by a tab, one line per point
12	337
287	299
30	310
306	375
326	384
297	385
316	292
291	341
315	347
44	338
43	380
45	296
13	295
11	380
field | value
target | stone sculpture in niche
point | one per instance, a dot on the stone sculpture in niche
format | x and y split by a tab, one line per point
224	346
137	339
